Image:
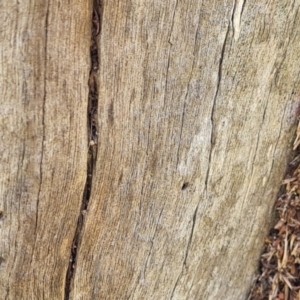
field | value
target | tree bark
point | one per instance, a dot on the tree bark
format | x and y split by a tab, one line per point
163	188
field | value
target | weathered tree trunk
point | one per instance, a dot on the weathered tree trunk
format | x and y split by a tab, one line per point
197	102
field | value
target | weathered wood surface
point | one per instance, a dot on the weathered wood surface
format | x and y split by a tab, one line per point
196	103
43	150
197	107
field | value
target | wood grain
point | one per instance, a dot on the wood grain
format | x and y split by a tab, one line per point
197	107
43	151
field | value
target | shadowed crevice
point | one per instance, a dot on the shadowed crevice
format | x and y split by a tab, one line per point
92	130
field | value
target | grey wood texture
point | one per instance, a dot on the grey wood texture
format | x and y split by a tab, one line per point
197	108
43	144
196	92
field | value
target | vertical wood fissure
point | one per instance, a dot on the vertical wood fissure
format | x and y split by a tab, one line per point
92	133
212	137
43	121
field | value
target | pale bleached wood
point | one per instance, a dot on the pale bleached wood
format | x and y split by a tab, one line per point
197	92
43	150
197	104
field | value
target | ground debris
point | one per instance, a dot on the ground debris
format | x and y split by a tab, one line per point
279	277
